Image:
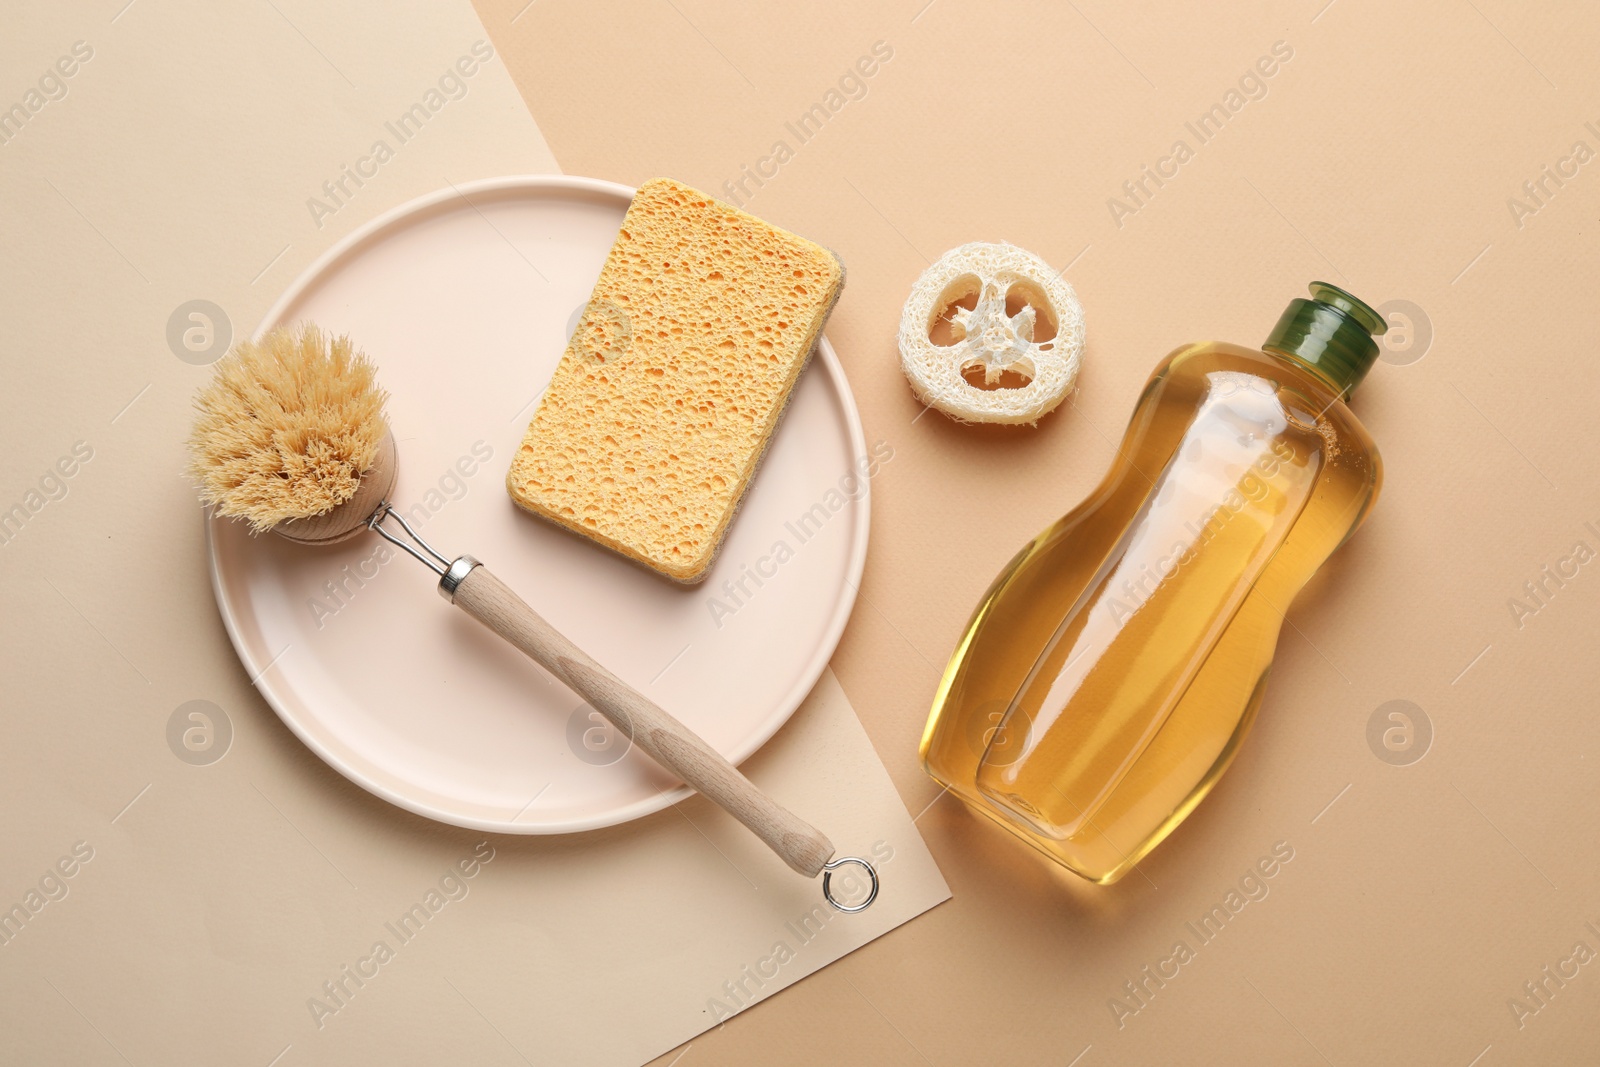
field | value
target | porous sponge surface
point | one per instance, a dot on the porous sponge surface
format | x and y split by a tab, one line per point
674	381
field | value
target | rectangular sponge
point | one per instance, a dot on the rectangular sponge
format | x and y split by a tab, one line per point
674	381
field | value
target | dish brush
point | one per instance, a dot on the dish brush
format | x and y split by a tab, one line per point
290	437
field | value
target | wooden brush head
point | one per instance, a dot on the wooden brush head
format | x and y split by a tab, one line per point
290	436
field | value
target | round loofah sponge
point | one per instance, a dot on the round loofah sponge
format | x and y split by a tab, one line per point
999	309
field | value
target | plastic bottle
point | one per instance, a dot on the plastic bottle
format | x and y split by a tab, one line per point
1110	673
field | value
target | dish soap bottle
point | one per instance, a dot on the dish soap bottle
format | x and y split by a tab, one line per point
1110	673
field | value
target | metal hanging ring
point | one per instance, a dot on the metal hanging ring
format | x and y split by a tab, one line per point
827	877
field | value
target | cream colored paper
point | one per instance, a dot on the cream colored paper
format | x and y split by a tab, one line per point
177	909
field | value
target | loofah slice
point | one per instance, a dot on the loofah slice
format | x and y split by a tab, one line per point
997	309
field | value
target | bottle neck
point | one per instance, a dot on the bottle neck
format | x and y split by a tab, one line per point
1327	340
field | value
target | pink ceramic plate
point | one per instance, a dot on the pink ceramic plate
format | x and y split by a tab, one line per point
465	299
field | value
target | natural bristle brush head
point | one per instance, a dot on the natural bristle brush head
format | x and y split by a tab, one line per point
290	436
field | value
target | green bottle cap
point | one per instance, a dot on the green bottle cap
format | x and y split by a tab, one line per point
1330	334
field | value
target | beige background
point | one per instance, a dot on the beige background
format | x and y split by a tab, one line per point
1421	897
203	906
1381	158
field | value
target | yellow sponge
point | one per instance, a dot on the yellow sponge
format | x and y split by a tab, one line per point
675	379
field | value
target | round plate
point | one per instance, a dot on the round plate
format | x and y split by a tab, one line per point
465	299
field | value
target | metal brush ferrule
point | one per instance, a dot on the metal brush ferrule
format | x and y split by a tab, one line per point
454	575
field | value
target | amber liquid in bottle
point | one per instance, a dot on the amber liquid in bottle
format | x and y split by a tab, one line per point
1112	670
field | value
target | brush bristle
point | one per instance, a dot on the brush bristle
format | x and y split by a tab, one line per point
287	427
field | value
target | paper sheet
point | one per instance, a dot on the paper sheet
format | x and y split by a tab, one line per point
166	171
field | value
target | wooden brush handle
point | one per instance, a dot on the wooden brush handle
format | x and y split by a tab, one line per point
667	741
